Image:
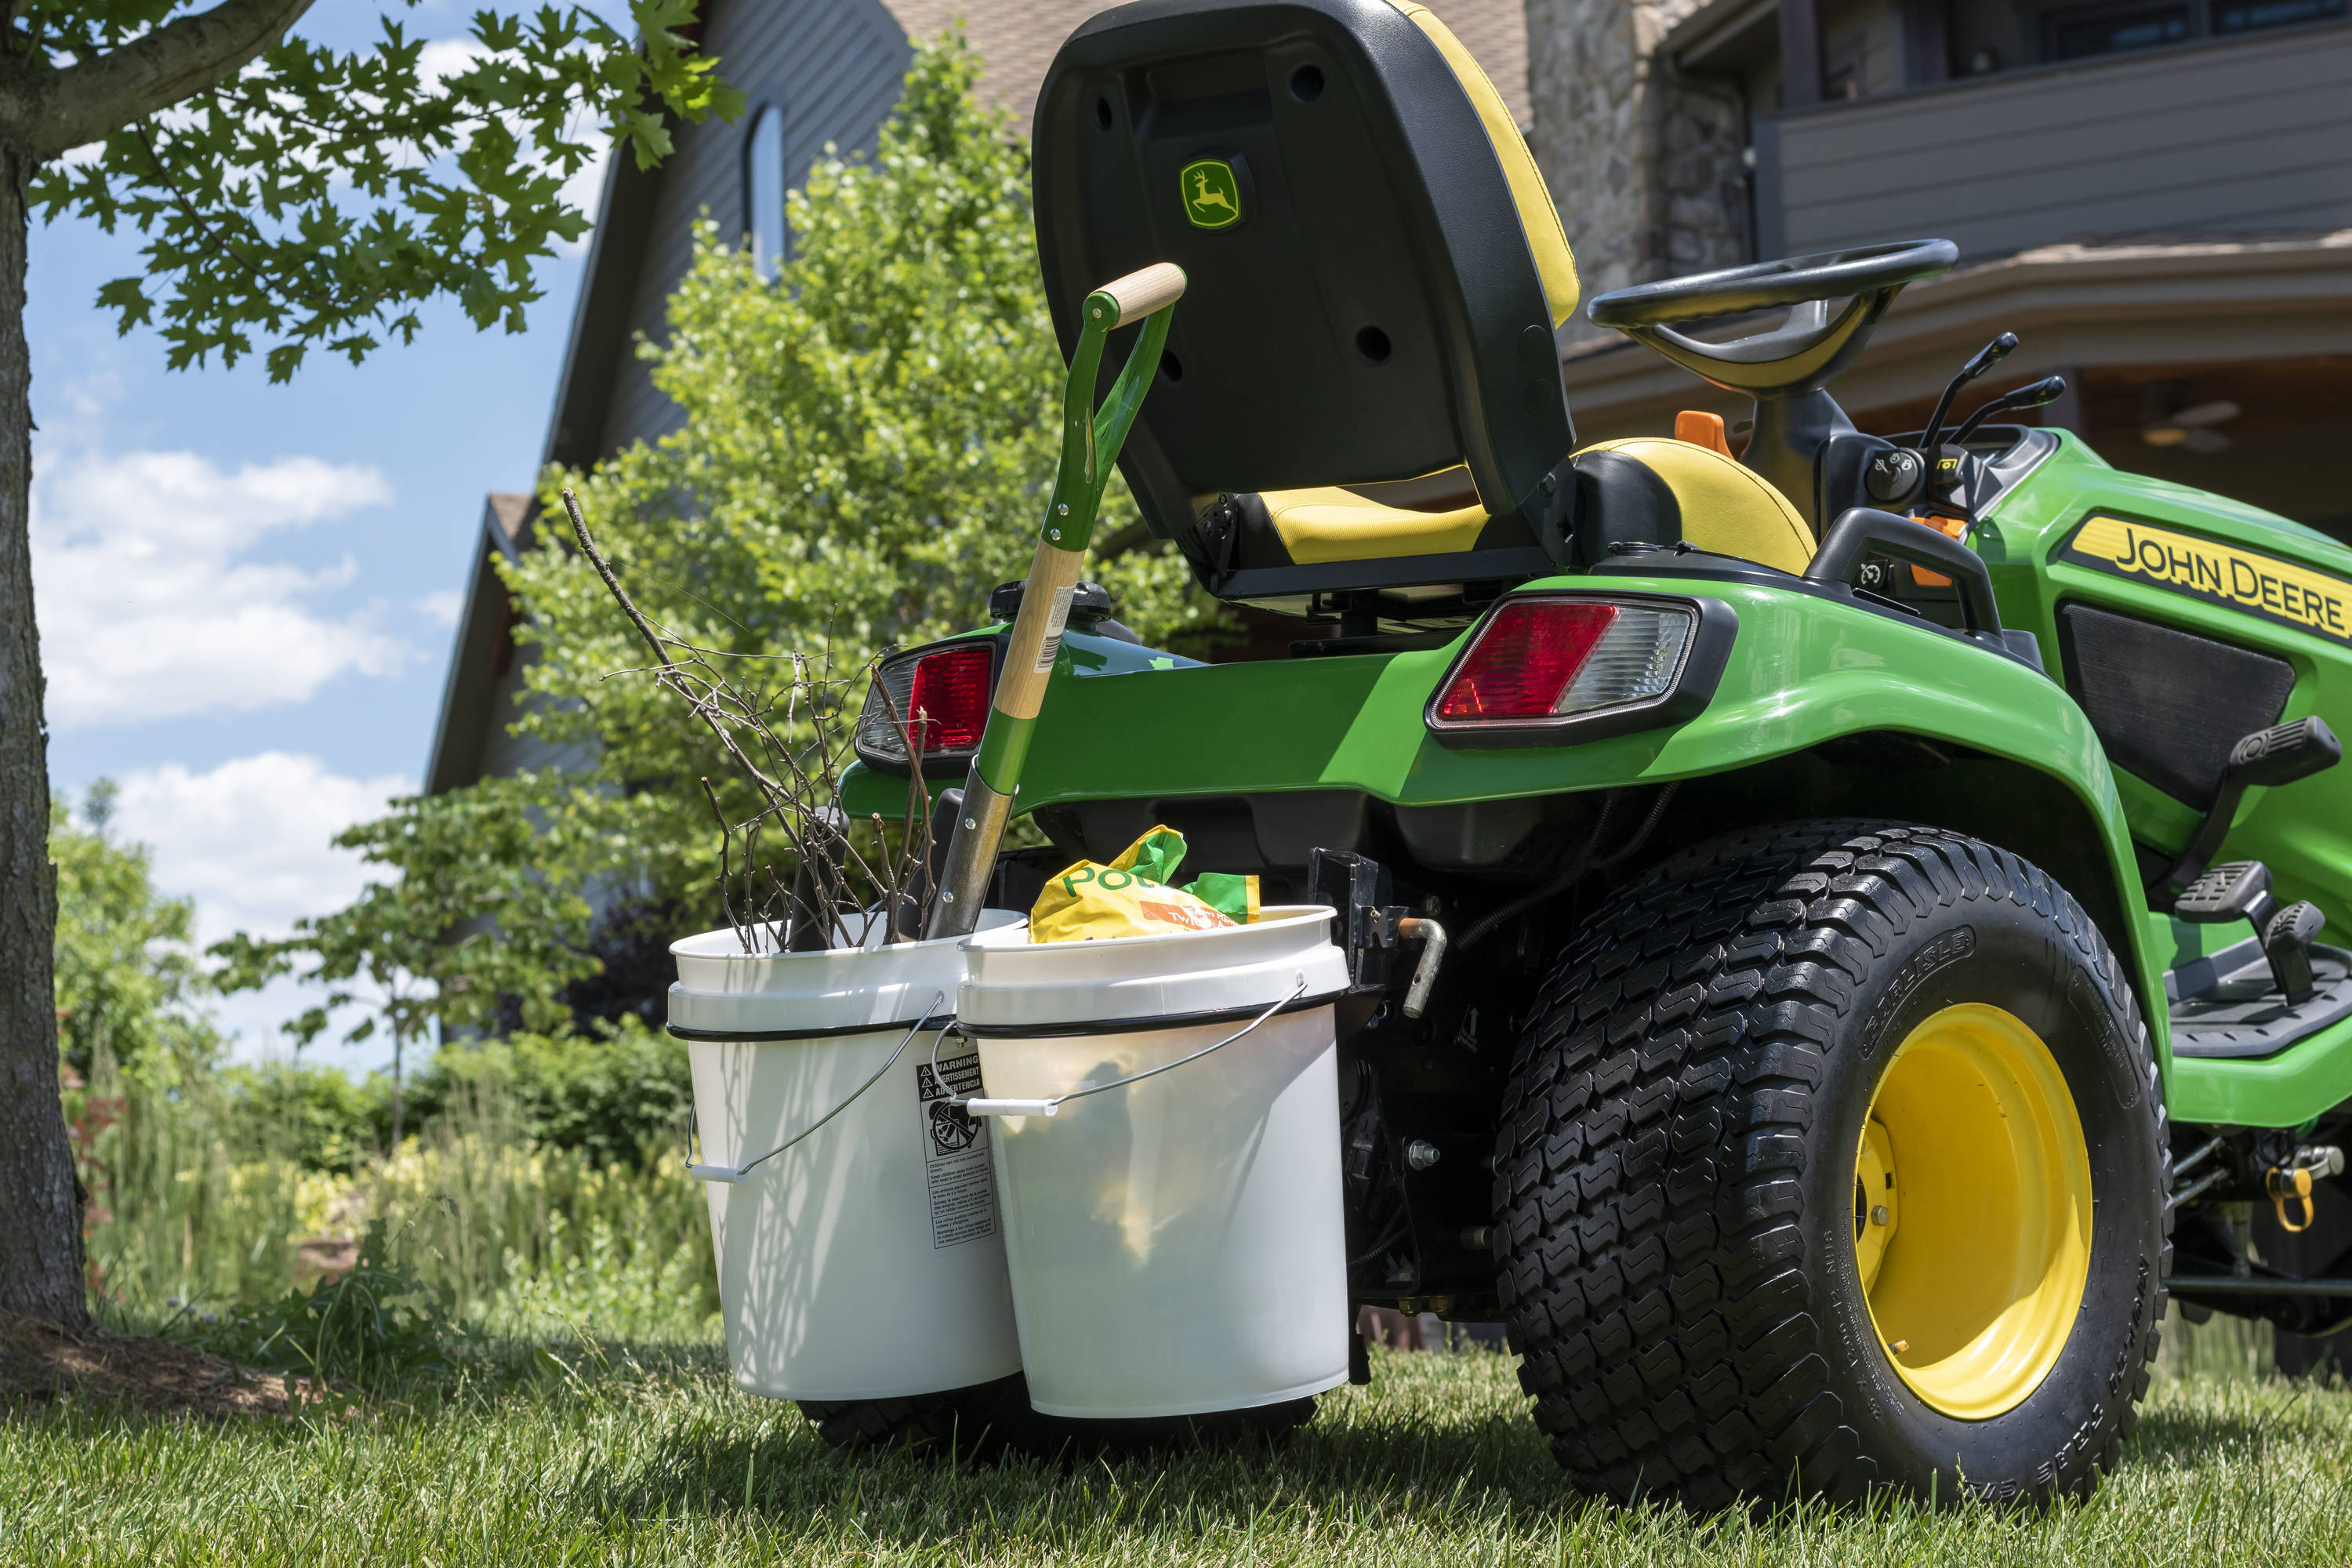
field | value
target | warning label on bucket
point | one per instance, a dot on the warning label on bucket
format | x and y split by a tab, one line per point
961	1187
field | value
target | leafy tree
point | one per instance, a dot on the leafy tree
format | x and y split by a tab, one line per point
292	197
429	943
865	451
128	979
131	1035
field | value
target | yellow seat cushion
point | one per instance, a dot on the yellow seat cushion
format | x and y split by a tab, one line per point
1726	508
1328	523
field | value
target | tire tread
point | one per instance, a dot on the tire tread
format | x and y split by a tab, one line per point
1651	1140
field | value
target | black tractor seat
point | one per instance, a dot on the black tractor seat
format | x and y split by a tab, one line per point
1361	393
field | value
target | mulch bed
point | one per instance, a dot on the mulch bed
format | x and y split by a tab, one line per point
40	1362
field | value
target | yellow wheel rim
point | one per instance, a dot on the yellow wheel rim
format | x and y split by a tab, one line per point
1972	1210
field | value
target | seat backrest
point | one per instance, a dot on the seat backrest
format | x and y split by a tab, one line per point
1376	268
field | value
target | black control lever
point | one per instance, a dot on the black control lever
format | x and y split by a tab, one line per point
1992	354
2034	394
1861	531
2287	938
2267	759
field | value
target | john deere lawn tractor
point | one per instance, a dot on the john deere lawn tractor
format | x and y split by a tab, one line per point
1835	931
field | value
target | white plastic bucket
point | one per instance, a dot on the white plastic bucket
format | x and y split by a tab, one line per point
1176	1244
863	1261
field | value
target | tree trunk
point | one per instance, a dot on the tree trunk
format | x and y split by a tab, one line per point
40	1200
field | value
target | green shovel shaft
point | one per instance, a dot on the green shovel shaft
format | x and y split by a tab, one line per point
1090	442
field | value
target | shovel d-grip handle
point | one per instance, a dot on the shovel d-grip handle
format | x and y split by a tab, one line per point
1091	438
1146	292
1052	1105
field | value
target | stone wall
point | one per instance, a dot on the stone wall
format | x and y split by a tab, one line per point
1701	167
1644	163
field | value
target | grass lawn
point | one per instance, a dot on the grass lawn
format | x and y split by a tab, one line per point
609	1460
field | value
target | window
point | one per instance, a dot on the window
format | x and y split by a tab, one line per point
2074	33
763	190
2246	16
1841	71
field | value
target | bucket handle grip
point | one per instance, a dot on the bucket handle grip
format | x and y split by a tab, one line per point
1050	1107
733	1175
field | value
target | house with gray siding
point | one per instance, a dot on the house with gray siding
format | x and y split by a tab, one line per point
2156	195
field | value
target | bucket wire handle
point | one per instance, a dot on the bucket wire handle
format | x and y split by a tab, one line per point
1049	1106
952	1026
734	1174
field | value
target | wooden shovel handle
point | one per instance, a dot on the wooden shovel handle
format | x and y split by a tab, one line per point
1141	292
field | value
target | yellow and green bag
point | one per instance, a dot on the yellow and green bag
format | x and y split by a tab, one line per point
1132	896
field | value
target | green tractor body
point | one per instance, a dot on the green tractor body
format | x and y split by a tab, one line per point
1821	1045
1825	707
2187	560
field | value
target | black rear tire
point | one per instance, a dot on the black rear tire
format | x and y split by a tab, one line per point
1259	1427
976	1422
1676	1223
991	1418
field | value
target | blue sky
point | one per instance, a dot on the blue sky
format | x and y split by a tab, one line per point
248	592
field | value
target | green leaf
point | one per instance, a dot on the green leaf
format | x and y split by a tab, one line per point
319	195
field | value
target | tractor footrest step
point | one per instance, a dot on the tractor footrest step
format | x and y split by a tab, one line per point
2228	1004
2234	892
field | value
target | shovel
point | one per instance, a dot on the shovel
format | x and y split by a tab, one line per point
1090	442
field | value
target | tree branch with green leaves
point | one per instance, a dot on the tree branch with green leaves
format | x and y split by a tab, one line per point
295	196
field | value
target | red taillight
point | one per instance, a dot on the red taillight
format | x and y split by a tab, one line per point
1524	660
948	707
949	686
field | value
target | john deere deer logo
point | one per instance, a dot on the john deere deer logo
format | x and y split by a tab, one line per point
1212	198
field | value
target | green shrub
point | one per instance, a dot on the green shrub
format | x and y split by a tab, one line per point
377	1326
482	1205
328	1120
192	1193
618	1094
197	1202
129	986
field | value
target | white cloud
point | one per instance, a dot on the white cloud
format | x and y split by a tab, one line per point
251	841
442	58
441	606
149	608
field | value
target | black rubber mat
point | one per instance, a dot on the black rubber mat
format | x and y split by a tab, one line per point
2226	1004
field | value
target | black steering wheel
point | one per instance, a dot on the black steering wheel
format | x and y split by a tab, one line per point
1806	350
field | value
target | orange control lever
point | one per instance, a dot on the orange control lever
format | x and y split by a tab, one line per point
1702	430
